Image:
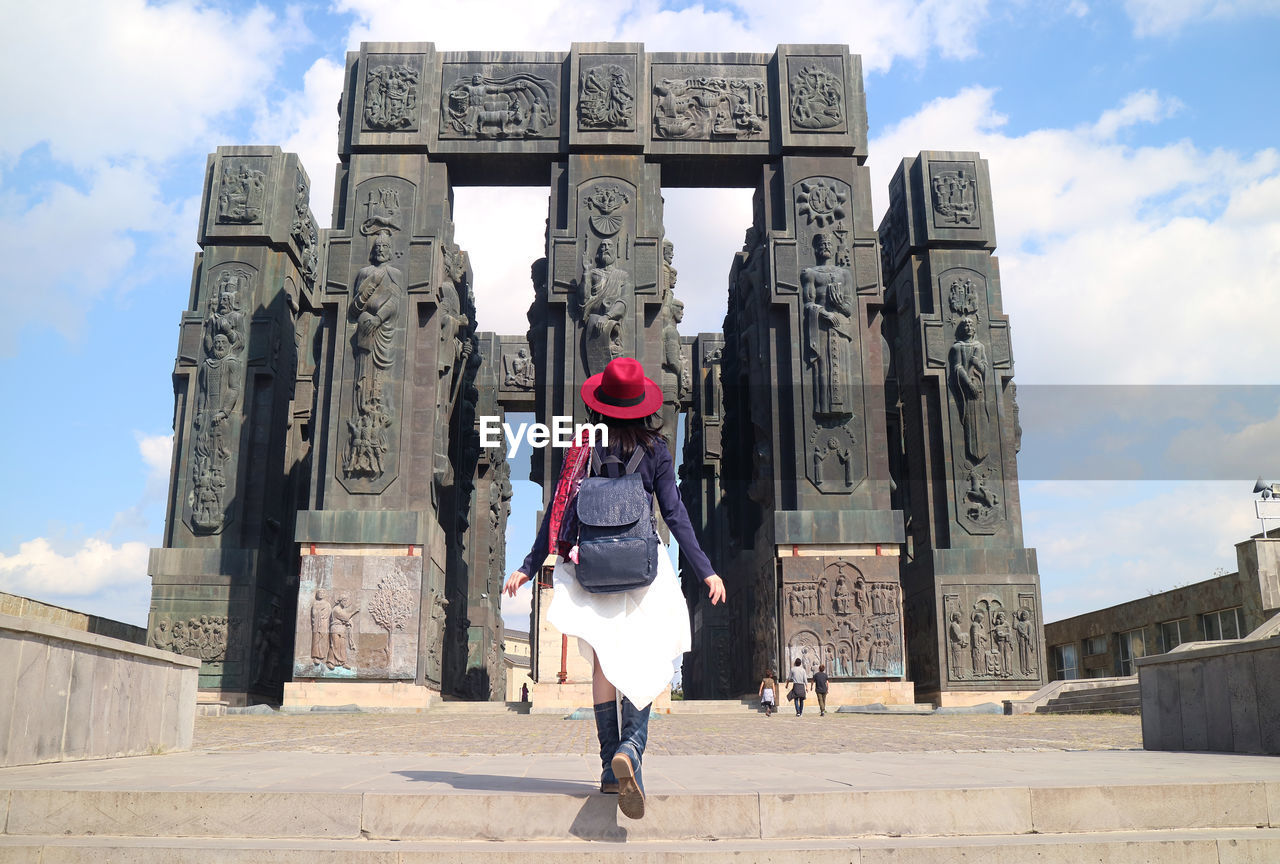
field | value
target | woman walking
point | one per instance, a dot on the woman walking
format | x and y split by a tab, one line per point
767	691
632	637
799	678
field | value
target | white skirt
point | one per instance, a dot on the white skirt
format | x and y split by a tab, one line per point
637	635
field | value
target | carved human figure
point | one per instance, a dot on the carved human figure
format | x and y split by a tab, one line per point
520	369
163	636
957	641
605	304
320	613
220	380
861	596
829	324
672	356
978	643
830	452
340	627
1002	634
1023	628
377	298
967	376
843	596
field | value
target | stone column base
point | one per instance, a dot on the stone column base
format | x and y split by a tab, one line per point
965	698
858	693
402	695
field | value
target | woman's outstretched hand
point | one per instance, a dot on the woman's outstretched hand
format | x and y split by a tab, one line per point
715	589
514	581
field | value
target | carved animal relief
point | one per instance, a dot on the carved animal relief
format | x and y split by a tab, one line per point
481	106
710	107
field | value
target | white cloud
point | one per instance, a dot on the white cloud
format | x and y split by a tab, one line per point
1105	543
1167	17
139	80
1119	264
157	455
37	569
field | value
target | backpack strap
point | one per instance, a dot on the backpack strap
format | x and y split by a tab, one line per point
604	464
635	460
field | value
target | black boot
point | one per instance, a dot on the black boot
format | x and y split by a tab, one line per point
626	762
607	732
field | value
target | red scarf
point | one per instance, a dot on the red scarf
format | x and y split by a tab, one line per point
572	471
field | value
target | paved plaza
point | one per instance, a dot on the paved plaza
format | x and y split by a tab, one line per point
670	734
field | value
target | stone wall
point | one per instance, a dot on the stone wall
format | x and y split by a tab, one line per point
1219	696
75	695
25	607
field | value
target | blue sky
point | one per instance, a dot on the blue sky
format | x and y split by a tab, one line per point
1137	199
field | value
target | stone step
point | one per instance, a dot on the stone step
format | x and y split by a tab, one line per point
1237	846
1117	690
473	813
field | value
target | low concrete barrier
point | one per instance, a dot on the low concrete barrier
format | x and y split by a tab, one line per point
1214	696
66	694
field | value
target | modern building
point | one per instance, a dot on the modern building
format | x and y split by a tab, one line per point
1106	643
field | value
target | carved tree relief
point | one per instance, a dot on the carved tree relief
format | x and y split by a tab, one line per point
709	107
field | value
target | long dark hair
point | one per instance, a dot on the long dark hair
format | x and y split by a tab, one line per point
626	435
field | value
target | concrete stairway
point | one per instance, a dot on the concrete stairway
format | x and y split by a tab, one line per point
1122	698
320	808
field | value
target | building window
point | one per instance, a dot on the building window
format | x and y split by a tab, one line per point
1095	645
1065	662
1132	646
1174	633
1223	624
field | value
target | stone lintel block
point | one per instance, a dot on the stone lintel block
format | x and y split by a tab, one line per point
895	812
172	813
550	816
1158	806
1018	563
821	101
391	527
201	566
838	526
952	193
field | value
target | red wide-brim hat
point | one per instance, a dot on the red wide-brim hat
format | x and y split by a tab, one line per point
622	391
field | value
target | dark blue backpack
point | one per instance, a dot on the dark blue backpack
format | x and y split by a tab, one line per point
617	531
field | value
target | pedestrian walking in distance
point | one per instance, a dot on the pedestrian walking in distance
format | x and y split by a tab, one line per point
820	689
799	680
615	587
768	693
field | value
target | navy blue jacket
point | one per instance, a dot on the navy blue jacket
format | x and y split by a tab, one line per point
659	477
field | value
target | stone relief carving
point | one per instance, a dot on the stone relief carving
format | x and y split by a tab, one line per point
203	637
390	607
606	201
303	231
342	645
817	99
707	107
987	640
521	105
437	605
962	297
377	299
822	202
242	194
391	98
846	622
219	382
968	370
321	610
606	302
268	640
606	98
833	452
456	347
954	193
829	329
517	369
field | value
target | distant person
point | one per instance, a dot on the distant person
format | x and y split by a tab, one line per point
799	681
768	693
524	692
631	636
820	688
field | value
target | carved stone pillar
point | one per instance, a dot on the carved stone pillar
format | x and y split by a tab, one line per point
222	585
973	589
